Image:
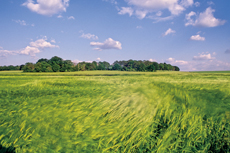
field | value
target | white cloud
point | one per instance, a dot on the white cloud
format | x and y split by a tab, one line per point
107	44
21	22
197	38
1	47
197	4
204	19
169	31
53	41
77	61
42	43
89	36
141	14
139	27
126	10
71	18
59	16
210	3
160	19
159	13
152	60
5	53
47	7
30	51
35	46
203	56
199	65
144	7
176	62
227	51
98	59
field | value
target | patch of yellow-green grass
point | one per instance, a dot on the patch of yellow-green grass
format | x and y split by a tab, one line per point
127	112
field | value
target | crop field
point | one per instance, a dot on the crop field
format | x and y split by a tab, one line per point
109	111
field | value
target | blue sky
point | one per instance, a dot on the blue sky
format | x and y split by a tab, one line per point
194	35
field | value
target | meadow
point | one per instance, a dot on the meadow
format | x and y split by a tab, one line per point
114	111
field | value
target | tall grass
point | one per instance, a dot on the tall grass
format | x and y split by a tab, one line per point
122	112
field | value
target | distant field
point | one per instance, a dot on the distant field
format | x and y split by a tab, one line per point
114	111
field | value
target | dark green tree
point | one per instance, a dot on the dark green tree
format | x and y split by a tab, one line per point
151	68
29	67
116	67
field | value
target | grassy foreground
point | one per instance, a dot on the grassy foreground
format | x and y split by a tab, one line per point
104	111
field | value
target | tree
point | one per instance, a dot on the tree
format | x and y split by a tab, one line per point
141	66
101	66
43	59
56	67
156	65
116	67
161	66
38	67
151	68
177	68
56	60
67	66
29	67
46	67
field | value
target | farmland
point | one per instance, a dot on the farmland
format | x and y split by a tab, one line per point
114	111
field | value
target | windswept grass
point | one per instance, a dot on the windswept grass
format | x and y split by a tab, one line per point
105	111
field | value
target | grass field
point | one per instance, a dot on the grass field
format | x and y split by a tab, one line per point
109	111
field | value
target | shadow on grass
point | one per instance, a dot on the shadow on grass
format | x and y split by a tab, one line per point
7	150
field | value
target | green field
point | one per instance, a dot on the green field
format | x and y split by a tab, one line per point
109	111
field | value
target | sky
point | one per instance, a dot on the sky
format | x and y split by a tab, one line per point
191	34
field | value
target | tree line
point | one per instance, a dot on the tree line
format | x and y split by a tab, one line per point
57	64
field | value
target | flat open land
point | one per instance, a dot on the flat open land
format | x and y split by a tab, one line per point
107	111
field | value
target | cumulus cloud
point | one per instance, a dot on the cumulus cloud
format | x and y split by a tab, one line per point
197	38
71	18
47	7
143	7
173	61
30	51
227	51
89	36
204	56
107	44
35	46
204	19
42	43
98	59
169	31
152	60
126	10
